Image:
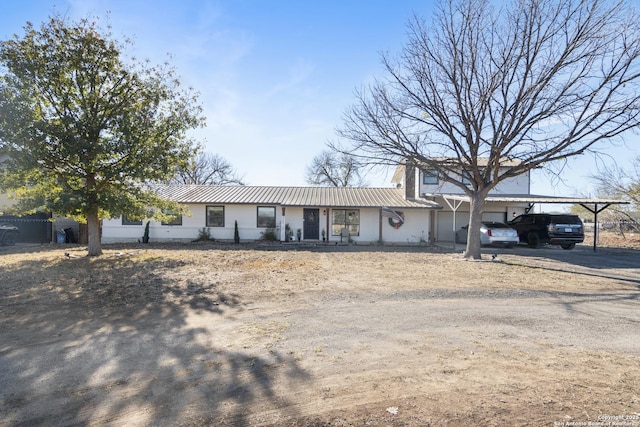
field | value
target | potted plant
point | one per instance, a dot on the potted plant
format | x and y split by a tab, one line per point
236	233
299	234
323	235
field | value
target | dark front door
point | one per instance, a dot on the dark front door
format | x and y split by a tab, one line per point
311	224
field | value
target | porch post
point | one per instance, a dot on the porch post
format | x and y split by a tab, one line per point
380	226
283	225
454	205
328	230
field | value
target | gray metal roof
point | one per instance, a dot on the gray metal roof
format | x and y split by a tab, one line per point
348	197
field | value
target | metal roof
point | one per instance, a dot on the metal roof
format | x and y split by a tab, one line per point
529	198
348	197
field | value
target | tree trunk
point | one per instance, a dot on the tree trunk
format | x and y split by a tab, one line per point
93	227
475	221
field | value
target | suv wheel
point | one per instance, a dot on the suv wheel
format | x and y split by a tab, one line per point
533	240
568	246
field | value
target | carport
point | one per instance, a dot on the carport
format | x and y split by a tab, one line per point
595	206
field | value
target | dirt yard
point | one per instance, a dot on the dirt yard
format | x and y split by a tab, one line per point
226	335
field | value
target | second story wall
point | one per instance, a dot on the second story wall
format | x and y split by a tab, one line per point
417	181
431	183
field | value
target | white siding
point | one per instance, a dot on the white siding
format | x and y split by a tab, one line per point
114	232
415	227
414	230
516	185
294	217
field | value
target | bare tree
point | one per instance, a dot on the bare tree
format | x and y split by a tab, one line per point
614	181
334	169
207	169
529	83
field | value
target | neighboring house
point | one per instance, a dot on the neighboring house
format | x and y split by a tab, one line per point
339	214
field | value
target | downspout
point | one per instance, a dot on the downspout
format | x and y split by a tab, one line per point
380	226
328	230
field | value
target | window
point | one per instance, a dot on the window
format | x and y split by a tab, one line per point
127	221
345	218
465	178
266	217
215	216
177	219
430	177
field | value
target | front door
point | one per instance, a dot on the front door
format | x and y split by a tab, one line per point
311	224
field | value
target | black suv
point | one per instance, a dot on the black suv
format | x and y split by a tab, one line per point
535	229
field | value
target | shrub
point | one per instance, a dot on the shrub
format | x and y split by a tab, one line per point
204	235
145	236
270	235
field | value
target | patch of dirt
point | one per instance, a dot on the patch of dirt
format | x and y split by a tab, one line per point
609	239
304	335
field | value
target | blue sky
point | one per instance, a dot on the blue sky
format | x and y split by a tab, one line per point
275	76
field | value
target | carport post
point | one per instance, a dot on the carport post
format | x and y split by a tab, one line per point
595	212
454	231
595	226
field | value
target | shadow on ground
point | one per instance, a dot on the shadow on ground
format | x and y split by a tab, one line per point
93	340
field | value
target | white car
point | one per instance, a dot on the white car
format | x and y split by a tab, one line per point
491	233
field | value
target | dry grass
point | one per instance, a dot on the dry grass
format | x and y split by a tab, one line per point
206	334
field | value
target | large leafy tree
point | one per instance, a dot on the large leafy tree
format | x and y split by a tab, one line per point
85	129
525	83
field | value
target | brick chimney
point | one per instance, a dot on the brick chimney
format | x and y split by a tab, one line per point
410	179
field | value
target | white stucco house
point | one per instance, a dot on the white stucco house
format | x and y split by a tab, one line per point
419	208
363	215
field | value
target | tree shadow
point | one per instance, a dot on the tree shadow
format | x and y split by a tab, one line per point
79	344
571	301
616	264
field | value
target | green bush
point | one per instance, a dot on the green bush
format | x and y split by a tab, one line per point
204	235
270	235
